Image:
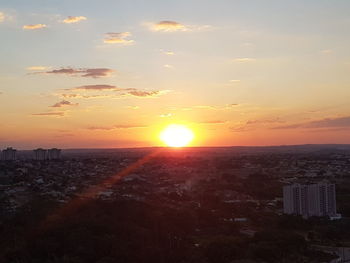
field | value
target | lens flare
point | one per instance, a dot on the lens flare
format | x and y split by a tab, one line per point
176	135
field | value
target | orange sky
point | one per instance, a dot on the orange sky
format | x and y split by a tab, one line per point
114	73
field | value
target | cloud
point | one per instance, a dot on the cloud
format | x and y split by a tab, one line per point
2	17
80	96
74	19
119	91
169	53
213	122
64	103
82	72
166	115
204	107
70	95
342	122
133	107
33	27
5	17
264	121
241	128
168	66
229	106
96	87
114	127
173	26
63	135
53	114
36	68
97	72
118	38
244	60
208	107
141	93
235	80
167	26
327	51
255	124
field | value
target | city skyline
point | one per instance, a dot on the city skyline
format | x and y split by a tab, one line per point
115	73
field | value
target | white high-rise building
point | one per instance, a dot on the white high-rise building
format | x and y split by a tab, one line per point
40	154
310	200
54	154
9	154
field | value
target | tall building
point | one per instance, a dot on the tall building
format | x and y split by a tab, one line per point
310	200
40	154
54	154
9	154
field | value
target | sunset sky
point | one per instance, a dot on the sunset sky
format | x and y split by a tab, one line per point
112	73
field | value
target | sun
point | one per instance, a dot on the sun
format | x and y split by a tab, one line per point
176	135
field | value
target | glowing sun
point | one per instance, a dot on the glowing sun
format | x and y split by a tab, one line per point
176	135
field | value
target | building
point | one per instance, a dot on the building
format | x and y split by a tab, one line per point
310	200
40	154
54	154
9	154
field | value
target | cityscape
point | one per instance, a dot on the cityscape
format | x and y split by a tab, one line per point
194	204
10	154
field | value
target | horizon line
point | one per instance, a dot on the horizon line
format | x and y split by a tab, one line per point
190	147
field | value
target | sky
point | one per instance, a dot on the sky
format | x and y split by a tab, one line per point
112	73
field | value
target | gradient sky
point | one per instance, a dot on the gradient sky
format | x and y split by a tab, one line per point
109	73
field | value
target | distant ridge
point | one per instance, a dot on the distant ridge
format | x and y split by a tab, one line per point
188	151
292	146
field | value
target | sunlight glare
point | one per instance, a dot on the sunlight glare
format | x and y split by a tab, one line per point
176	135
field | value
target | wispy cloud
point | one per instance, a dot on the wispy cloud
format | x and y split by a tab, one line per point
82	72
264	121
342	122
2	17
64	135
173	26
213	122
5	17
240	128
52	114
244	60
327	51
167	115
81	96
64	103
119	92
118	38
114	127
36	68
255	124
208	107
168	52
133	107
74	19
167	26
142	93
96	87
34	26
229	106
204	107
